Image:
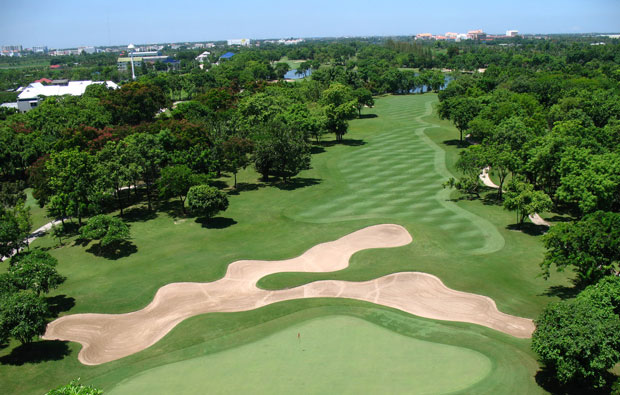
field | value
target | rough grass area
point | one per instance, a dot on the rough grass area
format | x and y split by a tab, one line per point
388	170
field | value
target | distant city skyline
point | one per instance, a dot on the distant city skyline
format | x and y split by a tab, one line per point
72	23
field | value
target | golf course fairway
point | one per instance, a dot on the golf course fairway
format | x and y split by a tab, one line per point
314	357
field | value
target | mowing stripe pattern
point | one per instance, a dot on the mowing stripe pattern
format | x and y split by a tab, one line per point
399	174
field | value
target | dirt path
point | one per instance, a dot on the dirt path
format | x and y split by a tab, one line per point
486	180
107	337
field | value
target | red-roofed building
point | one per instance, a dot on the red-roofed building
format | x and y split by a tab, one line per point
46	80
55	66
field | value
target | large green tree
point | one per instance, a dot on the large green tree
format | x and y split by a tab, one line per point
339	106
22	316
206	200
522	198
143	156
35	270
175	181
591	246
72	182
110	231
578	341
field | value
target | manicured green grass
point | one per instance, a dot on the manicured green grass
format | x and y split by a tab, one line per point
331	349
389	170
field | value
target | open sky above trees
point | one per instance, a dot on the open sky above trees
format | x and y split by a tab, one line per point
116	22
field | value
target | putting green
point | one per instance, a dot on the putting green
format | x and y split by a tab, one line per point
335	354
399	173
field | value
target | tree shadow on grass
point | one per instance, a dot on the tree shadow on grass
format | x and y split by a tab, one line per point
492	198
316	149
114	252
557	218
219	184
172	208
545	378
367	116
296	183
456	142
562	291
348	142
246	186
36	352
139	214
529	228
59	303
215	223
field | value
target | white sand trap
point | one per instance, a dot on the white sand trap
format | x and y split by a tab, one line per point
107	337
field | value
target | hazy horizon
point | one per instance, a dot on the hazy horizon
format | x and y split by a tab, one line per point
103	23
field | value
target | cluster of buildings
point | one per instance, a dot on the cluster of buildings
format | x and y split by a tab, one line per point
244	42
30	96
126	59
470	35
291	41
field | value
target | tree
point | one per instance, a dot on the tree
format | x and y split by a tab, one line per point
206	200
135	102
236	151
590	246
22	316
281	69
110	231
176	181
281	151
143	155
35	270
111	172
75	388
502	160
12	235
72	183
339	106
461	110
469	163
578	341
605	294
522	198
363	97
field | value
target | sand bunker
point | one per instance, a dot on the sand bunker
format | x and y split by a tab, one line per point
107	337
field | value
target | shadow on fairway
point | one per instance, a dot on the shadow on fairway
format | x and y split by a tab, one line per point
348	142
558	218
172	208
246	186
367	116
119	250
316	149
529	228
59	303
36	352
563	292
457	142
138	214
546	380
216	223
296	183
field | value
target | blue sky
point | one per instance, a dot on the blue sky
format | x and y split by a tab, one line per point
70	23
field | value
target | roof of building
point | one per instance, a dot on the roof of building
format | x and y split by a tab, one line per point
74	88
46	80
227	55
54	66
9	105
